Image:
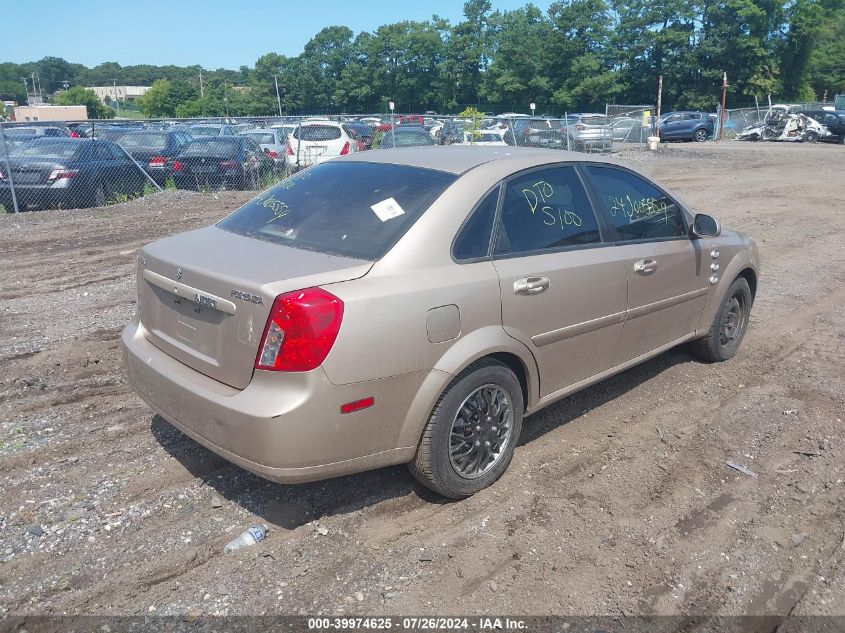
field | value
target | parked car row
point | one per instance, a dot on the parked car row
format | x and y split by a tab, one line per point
58	171
206	154
68	173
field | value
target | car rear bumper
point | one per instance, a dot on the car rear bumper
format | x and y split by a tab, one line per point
40	196
286	427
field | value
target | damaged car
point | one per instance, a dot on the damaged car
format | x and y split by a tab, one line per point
782	123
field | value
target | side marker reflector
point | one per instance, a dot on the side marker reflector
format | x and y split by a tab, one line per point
357	405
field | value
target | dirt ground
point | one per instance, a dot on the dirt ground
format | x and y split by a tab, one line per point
618	500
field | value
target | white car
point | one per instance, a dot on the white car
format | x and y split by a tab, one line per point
314	142
484	137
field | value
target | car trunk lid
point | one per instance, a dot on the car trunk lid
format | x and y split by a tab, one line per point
204	296
31	171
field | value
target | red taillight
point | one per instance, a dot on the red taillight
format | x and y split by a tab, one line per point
73	134
228	164
345	149
300	331
157	161
177	166
272	154
288	149
56	174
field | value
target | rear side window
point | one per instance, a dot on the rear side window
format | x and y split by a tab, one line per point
474	239
317	133
637	209
116	153
353	209
546	209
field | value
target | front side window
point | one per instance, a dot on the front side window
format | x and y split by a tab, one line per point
546	209
354	209
637	209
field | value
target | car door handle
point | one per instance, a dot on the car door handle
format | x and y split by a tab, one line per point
530	285
645	266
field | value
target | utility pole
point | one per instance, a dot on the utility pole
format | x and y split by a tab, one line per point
278	98
659	104
202	93
26	88
35	90
116	99
722	113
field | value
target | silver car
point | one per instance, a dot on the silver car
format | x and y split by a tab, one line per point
414	305
273	142
589	133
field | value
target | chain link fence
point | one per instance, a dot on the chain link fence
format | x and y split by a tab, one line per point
81	164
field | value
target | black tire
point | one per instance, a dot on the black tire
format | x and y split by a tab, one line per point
811	136
433	465
700	135
728	327
98	196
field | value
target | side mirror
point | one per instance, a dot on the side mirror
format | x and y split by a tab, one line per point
705	226
266	150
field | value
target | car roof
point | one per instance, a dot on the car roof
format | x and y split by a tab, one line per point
459	160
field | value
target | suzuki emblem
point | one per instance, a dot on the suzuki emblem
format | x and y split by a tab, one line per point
178	273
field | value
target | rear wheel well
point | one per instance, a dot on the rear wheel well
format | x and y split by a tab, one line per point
751	278
513	362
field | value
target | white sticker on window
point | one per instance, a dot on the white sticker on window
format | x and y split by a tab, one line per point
387	209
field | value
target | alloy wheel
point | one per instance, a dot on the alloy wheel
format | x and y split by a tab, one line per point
481	431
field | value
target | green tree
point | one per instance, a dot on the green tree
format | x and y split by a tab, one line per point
468	51
826	67
158	101
581	63
521	66
83	96
813	26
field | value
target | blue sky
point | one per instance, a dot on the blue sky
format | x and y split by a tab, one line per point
212	33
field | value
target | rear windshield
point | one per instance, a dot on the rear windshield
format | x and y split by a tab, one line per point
211	148
406	139
594	120
317	133
48	149
259	137
205	131
353	209
19	130
154	141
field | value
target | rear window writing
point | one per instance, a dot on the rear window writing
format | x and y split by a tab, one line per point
329	208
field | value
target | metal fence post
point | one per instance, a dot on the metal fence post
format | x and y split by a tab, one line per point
9	169
566	127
